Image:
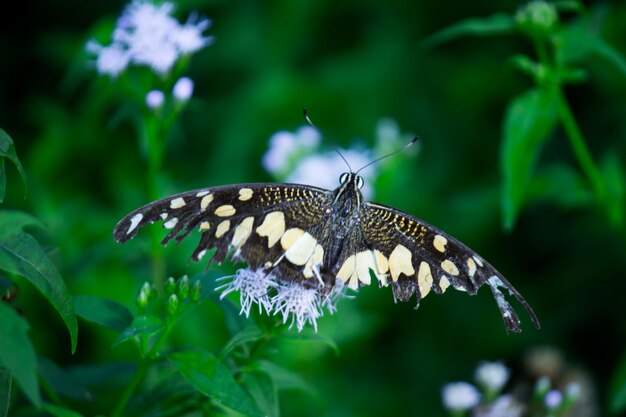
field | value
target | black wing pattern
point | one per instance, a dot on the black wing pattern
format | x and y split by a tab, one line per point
256	223
419	258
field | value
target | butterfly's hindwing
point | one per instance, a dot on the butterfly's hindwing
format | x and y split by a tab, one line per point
421	258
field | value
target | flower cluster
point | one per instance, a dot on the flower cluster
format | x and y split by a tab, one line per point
147	35
486	399
293	301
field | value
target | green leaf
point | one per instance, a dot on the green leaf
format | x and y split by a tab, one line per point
497	24
617	389
284	378
11	221
7	150
17	354
213	379
249	334
58	411
5	392
261	387
578	43
22	255
561	184
5	284
312	337
142	325
60	381
107	313
614	181
528	122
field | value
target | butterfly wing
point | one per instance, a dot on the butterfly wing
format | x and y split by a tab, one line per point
256	223
419	258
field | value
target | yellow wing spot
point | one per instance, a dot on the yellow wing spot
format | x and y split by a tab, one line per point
290	237
382	265
245	194
206	200
347	270
314	261
225	210
400	262
301	251
242	232
222	228
204	226
444	283
440	242
177	203
450	267
471	267
273	227
424	279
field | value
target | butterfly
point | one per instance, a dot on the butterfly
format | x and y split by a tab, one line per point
316	237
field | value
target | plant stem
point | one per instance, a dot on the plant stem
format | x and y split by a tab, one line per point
141	370
579	146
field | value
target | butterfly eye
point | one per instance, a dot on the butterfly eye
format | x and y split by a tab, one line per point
343	178
359	182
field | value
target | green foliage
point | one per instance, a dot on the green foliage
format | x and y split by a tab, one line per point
531	117
107	313
21	254
17	354
7	151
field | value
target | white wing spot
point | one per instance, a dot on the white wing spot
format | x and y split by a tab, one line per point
177	203
134	222
440	242
222	228
245	194
204	226
478	260
164	215
170	223
225	210
201	254
471	267
450	267
202	193
206	200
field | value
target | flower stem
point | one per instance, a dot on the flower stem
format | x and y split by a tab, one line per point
579	146
130	388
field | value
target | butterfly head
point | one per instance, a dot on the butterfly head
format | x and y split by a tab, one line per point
348	194
352	180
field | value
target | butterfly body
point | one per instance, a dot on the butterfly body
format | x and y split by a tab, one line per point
317	237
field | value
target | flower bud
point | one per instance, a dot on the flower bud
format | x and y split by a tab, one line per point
183	89
542	387
170	286
183	288
172	305
196	291
155	99
537	18
143	296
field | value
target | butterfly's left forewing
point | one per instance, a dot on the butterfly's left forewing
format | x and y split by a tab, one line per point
420	258
249	219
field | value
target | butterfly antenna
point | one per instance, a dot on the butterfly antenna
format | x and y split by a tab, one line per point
415	139
308	120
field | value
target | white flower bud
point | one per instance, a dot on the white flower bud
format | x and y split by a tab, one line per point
183	89
155	99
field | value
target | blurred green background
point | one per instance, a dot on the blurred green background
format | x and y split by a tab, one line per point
351	63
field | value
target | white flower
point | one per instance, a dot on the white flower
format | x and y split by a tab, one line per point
183	89
553	399
338	292
284	145
147	34
324	170
155	99
492	376
253	287
460	396
111	60
188	37
302	304
503	406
